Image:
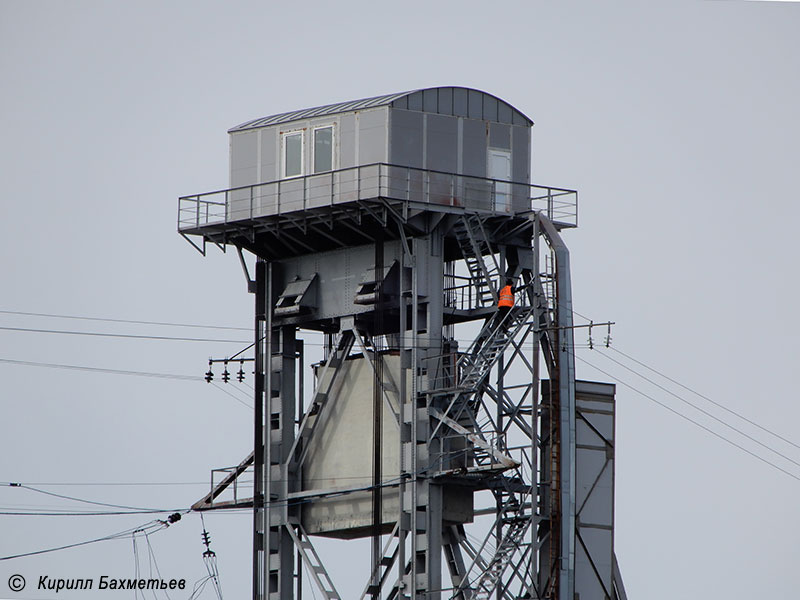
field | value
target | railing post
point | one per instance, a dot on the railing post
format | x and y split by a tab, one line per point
358	182
550	204
408	184
493	201
332	184
278	198
252	190
305	192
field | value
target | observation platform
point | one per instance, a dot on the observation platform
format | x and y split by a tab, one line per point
355	206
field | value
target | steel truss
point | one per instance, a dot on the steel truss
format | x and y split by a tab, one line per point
471	419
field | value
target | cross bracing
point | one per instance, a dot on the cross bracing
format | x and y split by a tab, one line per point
458	424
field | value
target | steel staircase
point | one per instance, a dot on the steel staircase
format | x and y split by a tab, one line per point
472	241
487	582
492	340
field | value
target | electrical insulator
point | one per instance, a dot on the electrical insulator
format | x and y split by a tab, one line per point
206	538
240	374
226	377
209	374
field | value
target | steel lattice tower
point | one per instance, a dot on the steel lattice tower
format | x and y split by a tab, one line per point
374	222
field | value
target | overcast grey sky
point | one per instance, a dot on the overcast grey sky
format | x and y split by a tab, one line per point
676	120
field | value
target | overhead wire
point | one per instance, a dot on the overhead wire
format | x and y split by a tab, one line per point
704	397
135	564
601	351
687	418
287	502
152	560
151	527
119	335
34	513
109	483
705	412
128	321
222	389
29	363
74	499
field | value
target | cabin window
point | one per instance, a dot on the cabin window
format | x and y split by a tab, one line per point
323	149
293	154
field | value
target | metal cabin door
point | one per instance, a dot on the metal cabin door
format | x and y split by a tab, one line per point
500	169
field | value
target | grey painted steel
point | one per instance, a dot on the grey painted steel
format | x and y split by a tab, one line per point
339	190
443	100
409	172
594	460
392	129
566	394
619	587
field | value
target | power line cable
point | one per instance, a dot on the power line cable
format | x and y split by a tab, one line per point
242	402
62	496
151	527
29	363
32	513
687	418
119	335
130	321
109	483
153	560
705	412
704	397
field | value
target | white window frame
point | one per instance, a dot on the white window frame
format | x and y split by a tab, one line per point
287	134
332	127
502	190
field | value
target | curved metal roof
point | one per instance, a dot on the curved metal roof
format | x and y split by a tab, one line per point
458	101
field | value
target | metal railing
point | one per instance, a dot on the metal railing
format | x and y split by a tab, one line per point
378	180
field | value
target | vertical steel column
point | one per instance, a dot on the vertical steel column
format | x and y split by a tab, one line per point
377	425
422	504
500	497
259	589
536	435
407	342
273	565
563	380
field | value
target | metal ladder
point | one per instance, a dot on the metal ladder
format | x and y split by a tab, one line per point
479	359
472	241
481	356
487	582
314	563
384	566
